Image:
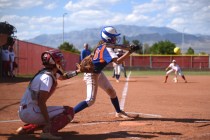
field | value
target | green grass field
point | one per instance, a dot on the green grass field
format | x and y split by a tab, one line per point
142	72
158	72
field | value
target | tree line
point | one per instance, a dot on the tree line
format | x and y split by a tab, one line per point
162	47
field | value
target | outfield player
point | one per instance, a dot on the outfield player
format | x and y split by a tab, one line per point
102	57
174	67
33	110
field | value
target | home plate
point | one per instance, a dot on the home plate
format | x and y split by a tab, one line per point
133	123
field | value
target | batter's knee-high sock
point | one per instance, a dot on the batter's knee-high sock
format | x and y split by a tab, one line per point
79	107
116	104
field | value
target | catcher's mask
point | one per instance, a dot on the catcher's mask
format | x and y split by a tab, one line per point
53	58
110	35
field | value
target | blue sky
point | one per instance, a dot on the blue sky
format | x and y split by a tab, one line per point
35	17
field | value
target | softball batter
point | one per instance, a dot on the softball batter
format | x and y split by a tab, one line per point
103	56
174	67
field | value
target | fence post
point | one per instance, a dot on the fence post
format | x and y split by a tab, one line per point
130	60
191	61
150	61
209	61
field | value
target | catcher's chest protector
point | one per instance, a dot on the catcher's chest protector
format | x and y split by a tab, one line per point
34	94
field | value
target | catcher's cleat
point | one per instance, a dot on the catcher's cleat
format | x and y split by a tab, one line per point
22	131
28	129
49	136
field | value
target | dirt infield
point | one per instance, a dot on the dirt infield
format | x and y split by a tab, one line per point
168	111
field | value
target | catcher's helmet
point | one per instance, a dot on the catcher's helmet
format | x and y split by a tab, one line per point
108	34
53	58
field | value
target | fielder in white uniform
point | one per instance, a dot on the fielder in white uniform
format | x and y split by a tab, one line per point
102	57
174	67
33	110
118	67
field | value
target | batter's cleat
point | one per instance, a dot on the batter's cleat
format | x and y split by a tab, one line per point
122	114
49	136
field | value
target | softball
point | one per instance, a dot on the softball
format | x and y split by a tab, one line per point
177	50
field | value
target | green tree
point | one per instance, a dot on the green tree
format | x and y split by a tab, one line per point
68	47
202	53
125	42
163	47
190	51
146	49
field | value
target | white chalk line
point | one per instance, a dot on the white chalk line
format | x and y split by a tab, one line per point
8	121
123	99
124	93
202	121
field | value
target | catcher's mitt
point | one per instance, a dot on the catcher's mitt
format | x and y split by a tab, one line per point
86	65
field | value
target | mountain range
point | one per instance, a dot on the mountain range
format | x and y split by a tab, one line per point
145	34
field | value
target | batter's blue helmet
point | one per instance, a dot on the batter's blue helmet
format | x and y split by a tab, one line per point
108	33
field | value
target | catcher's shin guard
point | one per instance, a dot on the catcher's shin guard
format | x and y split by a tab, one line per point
61	120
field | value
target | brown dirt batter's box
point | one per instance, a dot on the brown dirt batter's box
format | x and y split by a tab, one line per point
167	111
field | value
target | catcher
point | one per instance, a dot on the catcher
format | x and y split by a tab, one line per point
33	109
93	65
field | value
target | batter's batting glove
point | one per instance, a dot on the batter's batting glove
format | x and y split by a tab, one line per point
134	48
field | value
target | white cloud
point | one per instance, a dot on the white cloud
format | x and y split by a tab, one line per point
29	27
18	4
51	6
177	14
29	3
89	4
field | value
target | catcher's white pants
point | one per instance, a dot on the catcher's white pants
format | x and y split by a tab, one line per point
94	80
32	114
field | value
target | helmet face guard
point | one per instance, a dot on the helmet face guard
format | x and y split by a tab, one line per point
53	58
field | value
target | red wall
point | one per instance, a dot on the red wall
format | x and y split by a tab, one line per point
29	59
161	61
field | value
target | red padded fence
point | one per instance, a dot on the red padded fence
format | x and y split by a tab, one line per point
29	57
162	61
29	61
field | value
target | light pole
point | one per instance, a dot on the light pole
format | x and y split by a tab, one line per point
63	25
183	39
